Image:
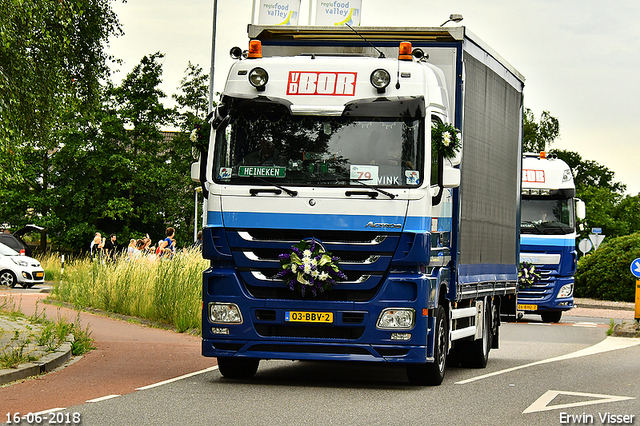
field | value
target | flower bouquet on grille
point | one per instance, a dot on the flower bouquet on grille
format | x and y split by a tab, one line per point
528	275
309	267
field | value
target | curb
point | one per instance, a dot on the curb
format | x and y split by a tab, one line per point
45	364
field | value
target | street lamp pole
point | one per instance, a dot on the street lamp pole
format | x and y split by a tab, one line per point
213	54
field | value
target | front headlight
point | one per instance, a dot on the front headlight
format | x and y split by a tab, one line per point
565	291
224	313
396	318
20	262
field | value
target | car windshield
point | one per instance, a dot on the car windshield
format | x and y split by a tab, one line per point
273	145
7	251
547	216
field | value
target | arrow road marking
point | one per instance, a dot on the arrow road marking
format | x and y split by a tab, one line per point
542	403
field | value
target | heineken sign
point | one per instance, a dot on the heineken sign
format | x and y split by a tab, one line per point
262	171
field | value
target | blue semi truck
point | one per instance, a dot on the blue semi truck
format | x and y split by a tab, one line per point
548	235
362	192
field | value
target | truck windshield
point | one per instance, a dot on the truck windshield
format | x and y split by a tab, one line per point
270	143
547	216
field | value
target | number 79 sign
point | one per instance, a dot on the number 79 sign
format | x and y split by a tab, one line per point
368	174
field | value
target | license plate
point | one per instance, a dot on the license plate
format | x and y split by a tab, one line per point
39	275
296	316
527	307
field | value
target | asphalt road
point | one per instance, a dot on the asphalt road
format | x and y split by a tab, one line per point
510	391
541	374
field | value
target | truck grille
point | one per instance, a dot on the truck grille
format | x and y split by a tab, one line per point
364	258
542	290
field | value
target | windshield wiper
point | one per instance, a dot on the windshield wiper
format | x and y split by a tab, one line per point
290	192
381	191
388	194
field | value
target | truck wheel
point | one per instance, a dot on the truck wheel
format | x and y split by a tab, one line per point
551	316
479	354
8	278
238	368
432	373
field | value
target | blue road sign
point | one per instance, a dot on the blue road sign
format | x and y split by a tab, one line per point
635	268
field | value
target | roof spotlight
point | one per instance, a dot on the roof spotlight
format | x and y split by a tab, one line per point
235	53
380	79
258	78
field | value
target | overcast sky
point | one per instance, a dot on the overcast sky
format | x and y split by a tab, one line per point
581	59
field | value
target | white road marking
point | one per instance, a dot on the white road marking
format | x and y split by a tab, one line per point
51	410
608	344
585	324
542	403
175	379
103	398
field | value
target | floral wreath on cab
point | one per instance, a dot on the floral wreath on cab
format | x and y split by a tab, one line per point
528	275
445	139
309	267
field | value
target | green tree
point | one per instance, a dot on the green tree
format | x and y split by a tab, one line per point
192	100
539	135
52	58
595	185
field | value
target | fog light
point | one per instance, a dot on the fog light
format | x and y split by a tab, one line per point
258	78
396	318
400	336
219	330
224	313
565	291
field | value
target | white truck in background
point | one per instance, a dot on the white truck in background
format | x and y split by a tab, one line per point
548	235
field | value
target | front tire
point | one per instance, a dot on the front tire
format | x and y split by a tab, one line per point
432	373
551	316
238	368
8	278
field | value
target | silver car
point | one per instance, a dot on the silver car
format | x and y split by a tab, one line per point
18	269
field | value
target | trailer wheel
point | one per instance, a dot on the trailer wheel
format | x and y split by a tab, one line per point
238	368
432	373
479	353
551	316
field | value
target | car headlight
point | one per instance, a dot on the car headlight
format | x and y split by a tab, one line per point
224	313
565	291
396	318
20	262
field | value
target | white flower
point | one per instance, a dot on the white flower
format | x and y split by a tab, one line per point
323	276
194	135
307	253
446	138
307	269
294	267
315	273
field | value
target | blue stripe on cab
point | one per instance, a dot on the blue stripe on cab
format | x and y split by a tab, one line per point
302	221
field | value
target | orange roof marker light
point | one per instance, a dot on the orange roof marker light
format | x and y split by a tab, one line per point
543	155
255	49
405	51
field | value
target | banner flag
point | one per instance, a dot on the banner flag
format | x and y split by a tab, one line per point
278	12
338	12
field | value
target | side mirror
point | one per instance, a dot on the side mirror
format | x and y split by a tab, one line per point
450	177
581	209
195	171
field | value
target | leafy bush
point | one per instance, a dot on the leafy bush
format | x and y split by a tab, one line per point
605	275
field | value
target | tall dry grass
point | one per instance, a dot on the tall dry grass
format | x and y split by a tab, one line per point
165	290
